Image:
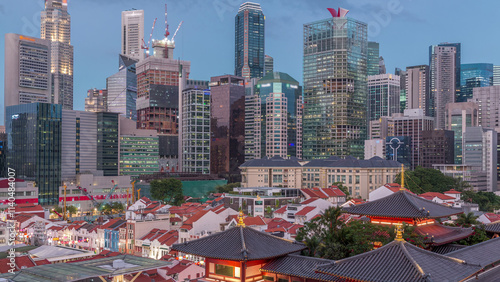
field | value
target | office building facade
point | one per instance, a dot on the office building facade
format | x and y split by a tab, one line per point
34	135
418	89
402	88
373	58
460	116
480	149
383	95
196	130
249	41
268	64
227	124
97	100
27	70
107	144
55	25
132	33
399	148
335	88
474	75
488	102
437	148
122	89
443	66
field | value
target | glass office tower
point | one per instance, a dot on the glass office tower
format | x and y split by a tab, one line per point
335	88
34	147
122	89
107	143
249	41
373	58
474	75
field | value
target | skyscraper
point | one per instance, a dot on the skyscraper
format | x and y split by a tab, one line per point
227	125
122	89
27	70
196	130
373	58
402	88
273	131
249	41
443	66
132	33
34	148
418	88
335	88
437	148
96	100
55	25
268	64
480	150
383	95
488	101
460	116
474	75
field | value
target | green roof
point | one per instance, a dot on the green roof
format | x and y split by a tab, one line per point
277	77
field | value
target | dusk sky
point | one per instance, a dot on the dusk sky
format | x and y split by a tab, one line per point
404	29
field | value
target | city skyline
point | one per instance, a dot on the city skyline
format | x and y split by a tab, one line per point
401	21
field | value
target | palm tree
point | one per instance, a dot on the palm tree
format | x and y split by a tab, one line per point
466	220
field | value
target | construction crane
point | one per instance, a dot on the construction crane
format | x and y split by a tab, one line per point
144	45
97	205
133	191
166	24
175	33
60	215
86	193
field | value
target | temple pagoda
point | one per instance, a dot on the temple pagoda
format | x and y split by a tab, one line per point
404	206
237	254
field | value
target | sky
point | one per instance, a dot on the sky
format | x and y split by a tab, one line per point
404	29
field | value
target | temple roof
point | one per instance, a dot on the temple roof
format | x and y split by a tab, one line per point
400	261
493	227
299	266
441	234
403	204
239	244
484	253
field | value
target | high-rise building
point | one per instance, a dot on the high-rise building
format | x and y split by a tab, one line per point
196	130
437	148
97	100
122	89
34	148
480	149
381	66
374	148
132	33
418	88
335	88
402	88
273	130
107	144
443	79
55	25
496	75
460	116
139	150
158	89
399	148
488	101
410	124
373	58
227	125
474	75
383	95
27	70
268	64
249	41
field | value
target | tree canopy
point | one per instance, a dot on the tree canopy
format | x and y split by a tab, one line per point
423	180
227	188
113	208
487	201
168	190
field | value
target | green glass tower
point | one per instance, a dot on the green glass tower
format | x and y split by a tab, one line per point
335	88
34	134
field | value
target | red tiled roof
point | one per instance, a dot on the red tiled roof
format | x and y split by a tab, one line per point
146	200
219	199
178	268
275	229
195	217
28	207
333	192
436	194
314	192
251	221
278	222
304	211
452	191
294	228
281	210
492	216
308	201
22	217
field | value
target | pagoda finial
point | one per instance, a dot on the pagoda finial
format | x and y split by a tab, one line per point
402	177
399	232
240	219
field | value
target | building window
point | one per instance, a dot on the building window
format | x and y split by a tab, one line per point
350	179
268	278
225	270
357	179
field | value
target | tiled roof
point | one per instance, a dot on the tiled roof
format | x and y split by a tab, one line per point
195	217
484	253
272	162
313	193
493	227
278	222
333	192
299	266
294	228
441	234
400	261
308	201
432	195
403	204
492	216
447	248
251	221
349	161
305	210
281	210
239	244
452	191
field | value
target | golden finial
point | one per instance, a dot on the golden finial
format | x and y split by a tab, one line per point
240	219
402	177
399	232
